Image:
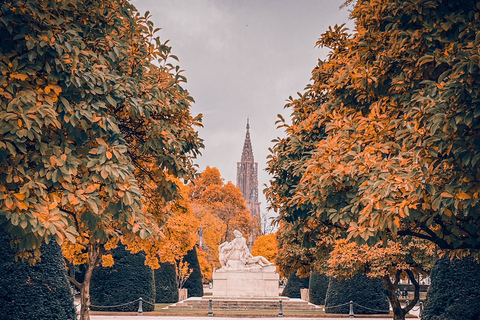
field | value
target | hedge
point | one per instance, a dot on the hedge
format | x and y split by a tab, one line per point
166	284
360	289
293	286
318	286
127	280
41	291
454	293
194	283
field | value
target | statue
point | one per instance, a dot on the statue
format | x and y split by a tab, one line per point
236	255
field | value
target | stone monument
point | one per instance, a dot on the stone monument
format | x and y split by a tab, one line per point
242	274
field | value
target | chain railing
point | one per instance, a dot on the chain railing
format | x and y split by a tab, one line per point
140	301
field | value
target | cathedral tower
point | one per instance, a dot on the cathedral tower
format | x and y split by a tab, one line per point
247	176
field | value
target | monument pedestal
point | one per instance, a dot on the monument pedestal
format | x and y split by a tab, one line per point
256	282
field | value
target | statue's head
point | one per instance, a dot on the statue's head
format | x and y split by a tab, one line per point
237	233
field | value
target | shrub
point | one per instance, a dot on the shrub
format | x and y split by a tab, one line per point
166	284
455	291
194	282
318	286
293	286
34	292
360	289
127	280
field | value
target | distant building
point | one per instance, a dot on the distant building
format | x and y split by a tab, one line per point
247	176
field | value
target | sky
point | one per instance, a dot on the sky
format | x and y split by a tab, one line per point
243	59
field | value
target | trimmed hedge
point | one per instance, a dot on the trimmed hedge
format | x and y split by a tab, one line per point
127	280
293	286
166	284
318	288
34	292
194	283
455	291
361	290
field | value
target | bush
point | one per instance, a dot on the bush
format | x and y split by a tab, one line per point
361	290
318	286
455	291
293	286
127	280
34	292
166	284
194	282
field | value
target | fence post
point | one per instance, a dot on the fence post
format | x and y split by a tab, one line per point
420	313
280	309
140	306
210	308
350	314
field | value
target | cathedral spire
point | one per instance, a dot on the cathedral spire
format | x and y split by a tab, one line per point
247	153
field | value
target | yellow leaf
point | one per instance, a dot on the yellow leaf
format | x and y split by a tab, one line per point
448	212
20	123
19	196
463	196
109	155
23	206
446	195
90	188
52	206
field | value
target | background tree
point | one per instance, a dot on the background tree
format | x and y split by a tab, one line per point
389	263
318	286
266	246
85	115
39	291
166	290
125	281
220	209
454	290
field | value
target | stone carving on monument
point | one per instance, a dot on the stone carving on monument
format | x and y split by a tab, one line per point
242	274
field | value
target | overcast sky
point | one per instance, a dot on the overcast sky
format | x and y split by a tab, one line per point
243	59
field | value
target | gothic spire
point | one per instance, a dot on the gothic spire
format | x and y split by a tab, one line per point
247	153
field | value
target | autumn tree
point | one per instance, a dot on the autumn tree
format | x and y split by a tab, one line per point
220	209
389	263
266	246
383	142
89	124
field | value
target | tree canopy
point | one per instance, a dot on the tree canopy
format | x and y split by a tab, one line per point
95	127
90	107
384	142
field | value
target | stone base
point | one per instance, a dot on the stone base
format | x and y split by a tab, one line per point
245	283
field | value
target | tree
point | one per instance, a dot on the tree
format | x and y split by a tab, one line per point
388	263
89	124
360	289
397	103
220	209
266	246
125	281
318	286
194	282
39	291
454	290
166	290
293	286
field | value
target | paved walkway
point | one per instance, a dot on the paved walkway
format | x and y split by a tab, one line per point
96	317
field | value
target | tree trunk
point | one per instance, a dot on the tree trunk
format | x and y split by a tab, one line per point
398	312
416	295
95	254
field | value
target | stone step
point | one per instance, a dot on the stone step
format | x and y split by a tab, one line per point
243	304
